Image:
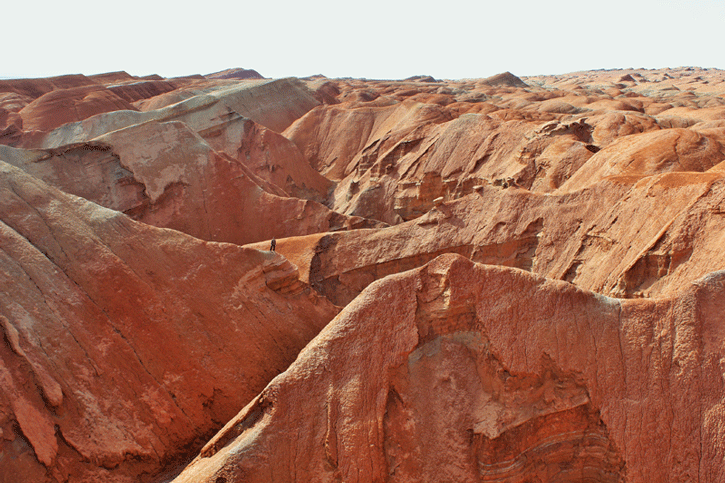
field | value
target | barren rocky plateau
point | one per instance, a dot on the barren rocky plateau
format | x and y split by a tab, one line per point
509	279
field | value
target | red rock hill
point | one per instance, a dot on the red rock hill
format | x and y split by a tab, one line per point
529	274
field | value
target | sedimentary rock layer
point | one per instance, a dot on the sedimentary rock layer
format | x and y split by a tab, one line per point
131	334
623	237
167	175
464	372
396	146
126	346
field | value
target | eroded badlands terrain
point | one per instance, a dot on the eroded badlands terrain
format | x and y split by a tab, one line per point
504	279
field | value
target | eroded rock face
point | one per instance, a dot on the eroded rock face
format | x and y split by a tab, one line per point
166	175
395	147
271	103
465	372
271	157
126	346
624	237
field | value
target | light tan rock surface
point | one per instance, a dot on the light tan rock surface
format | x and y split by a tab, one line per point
166	175
464	372
126	346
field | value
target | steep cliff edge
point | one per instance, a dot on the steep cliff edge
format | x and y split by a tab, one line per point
134	326
127	346
464	372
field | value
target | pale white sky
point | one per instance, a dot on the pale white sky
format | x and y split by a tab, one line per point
390	39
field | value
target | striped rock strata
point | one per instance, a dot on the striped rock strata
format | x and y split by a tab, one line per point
127	346
465	372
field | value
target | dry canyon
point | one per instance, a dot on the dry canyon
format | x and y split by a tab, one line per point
507	279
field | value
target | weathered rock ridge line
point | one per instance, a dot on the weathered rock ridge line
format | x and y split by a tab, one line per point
464	372
126	346
135	325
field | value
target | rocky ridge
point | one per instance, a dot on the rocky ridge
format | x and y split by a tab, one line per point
539	253
465	372
127	344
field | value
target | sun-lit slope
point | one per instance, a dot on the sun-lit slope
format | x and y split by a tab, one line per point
465	372
272	103
624	237
396	146
128	345
446	215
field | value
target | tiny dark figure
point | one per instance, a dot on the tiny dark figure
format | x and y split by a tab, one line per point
274	244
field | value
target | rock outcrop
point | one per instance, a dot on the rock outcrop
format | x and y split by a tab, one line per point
165	175
464	372
271	103
127	346
199	167
237	73
507	79
531	271
625	237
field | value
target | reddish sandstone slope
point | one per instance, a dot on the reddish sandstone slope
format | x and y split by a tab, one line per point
273	103
464	372
166	175
50	113
206	170
624	237
126	346
396	146
236	119
34	88
663	151
61	106
236	73
15	94
29	107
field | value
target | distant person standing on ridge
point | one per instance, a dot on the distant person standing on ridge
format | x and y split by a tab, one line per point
274	244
